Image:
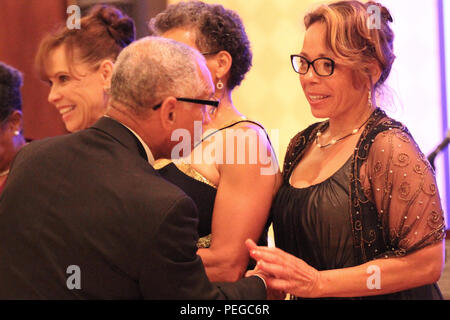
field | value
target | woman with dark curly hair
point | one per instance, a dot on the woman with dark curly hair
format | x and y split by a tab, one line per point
11	138
78	63
234	190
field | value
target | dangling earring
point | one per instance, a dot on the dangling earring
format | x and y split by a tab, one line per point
219	85
370	99
16	132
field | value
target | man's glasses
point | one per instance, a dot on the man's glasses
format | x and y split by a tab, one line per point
211	104
323	67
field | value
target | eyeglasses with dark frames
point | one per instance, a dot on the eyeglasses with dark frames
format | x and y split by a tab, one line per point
212	103
323	67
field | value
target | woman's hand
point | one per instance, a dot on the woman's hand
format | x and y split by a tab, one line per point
285	272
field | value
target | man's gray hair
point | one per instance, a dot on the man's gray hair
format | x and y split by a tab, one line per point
152	69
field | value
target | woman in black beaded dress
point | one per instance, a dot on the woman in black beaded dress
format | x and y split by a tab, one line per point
77	64
358	214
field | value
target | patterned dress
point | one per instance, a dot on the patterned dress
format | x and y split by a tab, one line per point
382	203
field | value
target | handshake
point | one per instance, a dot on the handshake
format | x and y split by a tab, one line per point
283	273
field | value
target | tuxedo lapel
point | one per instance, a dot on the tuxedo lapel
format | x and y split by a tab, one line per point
121	134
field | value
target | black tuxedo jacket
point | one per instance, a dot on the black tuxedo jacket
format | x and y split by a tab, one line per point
85	216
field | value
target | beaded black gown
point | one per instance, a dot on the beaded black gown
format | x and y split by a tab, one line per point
316	223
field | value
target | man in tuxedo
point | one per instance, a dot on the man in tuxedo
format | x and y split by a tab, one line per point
85	216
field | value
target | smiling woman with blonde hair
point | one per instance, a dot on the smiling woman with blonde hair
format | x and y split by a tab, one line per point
358	213
77	64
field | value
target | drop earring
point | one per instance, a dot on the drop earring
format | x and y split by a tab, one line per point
219	85
16	132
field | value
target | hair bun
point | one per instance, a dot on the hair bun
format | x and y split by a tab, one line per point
386	14
119	26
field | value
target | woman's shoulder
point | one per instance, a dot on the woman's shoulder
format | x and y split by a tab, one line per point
239	129
391	137
244	124
382	123
396	142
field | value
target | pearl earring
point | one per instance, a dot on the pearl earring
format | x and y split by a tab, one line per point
16	132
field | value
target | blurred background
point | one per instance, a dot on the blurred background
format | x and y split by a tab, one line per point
417	89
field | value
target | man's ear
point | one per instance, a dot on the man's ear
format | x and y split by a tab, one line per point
106	70
168	113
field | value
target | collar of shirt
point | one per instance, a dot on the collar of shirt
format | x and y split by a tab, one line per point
148	152
150	158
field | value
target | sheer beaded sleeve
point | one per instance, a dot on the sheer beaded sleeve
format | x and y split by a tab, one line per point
401	183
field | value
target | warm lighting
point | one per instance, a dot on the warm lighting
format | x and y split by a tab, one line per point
271	92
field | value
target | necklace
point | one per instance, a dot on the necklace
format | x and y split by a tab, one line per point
4	173
334	141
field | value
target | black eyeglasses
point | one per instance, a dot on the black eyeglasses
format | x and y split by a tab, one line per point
323	67
212	103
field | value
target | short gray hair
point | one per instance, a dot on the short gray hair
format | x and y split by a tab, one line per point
153	68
